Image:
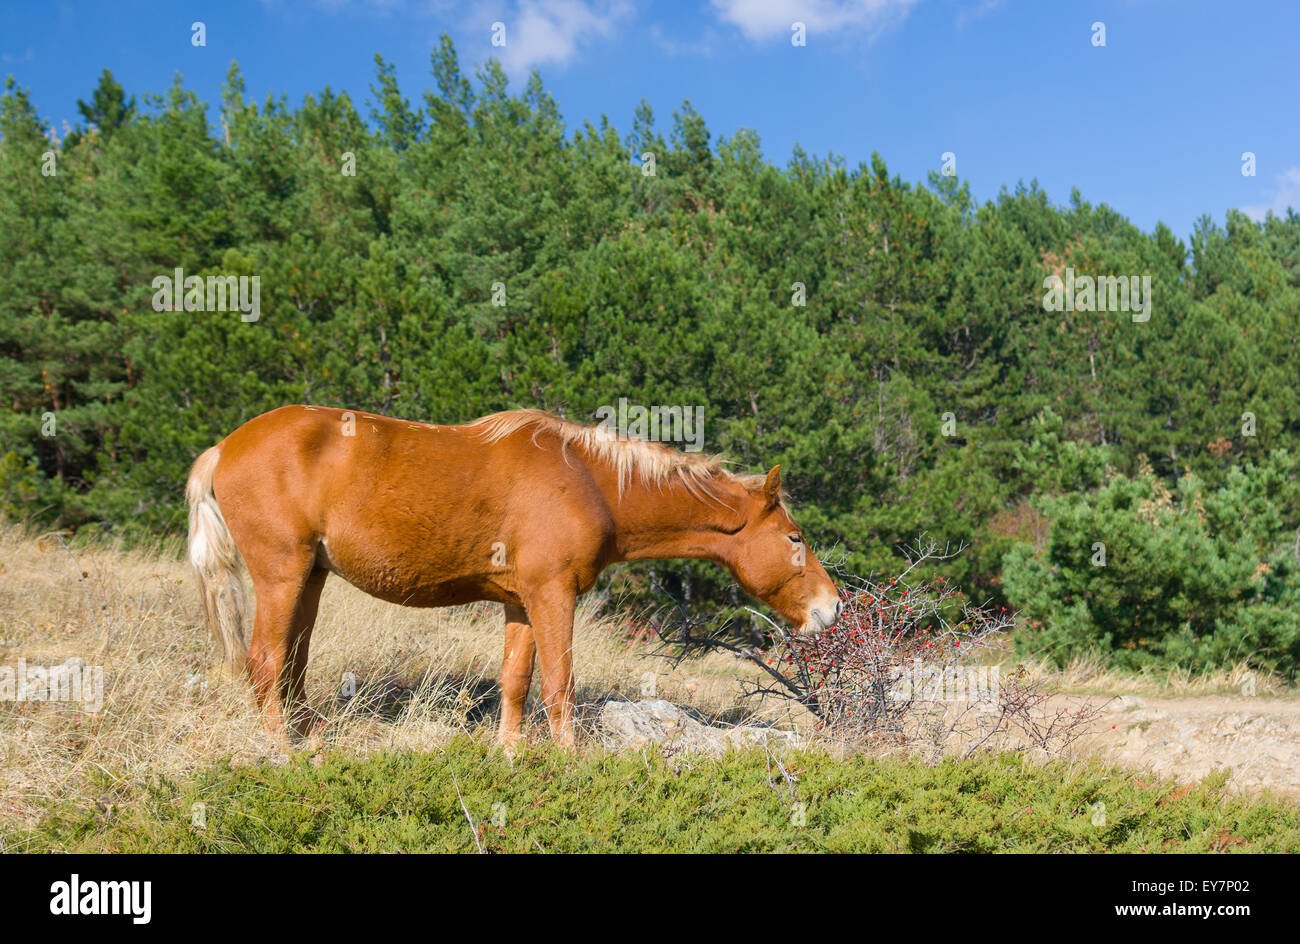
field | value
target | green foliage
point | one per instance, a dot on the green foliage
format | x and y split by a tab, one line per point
1195	576
107	110
552	801
826	317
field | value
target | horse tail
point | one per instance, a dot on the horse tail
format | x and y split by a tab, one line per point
216	563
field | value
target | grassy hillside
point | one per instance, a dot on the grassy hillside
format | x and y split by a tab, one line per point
420	676
171	733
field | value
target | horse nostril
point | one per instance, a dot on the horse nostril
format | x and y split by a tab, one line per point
839	608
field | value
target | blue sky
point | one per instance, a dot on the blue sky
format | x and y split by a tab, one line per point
1154	123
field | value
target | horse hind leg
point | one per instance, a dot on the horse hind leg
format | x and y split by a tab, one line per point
277	653
298	714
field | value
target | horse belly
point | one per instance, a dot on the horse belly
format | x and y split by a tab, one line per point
411	578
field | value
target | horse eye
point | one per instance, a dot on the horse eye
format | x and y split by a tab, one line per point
795	538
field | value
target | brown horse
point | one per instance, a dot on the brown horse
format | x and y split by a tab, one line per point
522	508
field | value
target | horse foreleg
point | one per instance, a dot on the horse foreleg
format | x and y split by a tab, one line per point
552	618
516	675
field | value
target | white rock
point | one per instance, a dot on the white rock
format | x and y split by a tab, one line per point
640	723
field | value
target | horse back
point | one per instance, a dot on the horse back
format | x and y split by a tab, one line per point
413	513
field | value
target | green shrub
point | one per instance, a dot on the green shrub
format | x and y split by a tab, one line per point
552	801
1142	574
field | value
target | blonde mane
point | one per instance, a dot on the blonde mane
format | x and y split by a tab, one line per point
653	463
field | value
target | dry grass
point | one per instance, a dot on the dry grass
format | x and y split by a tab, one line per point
421	676
1091	676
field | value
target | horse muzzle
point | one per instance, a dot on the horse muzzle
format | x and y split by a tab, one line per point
823	616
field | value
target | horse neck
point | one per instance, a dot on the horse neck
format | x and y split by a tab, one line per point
675	521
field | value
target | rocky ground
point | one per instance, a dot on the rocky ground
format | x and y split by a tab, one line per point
1183	738
1188	738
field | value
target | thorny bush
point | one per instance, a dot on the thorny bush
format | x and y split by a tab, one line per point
911	661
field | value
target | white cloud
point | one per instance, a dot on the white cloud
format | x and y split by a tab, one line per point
768	19
545	32
976	11
1286	194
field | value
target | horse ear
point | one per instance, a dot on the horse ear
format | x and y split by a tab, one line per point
772	487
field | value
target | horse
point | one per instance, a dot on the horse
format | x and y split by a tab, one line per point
522	508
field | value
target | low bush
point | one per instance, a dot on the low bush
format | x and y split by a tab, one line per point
468	797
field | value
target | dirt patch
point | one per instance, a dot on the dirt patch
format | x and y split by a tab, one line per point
1256	738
